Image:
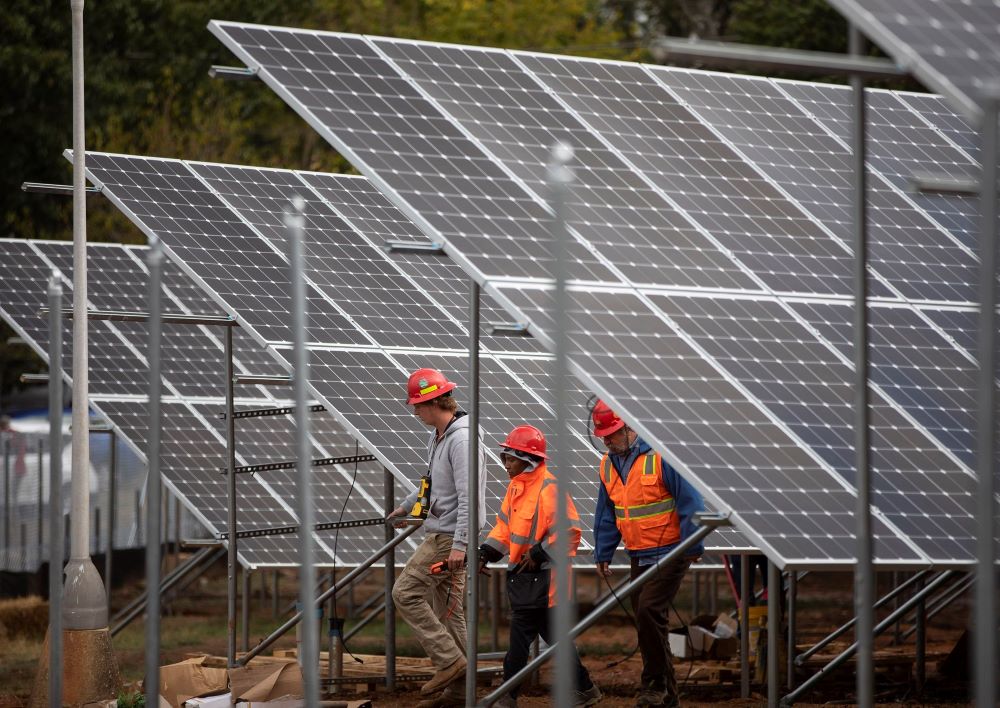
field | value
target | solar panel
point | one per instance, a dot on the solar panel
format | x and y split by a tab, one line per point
952	47
194	442
364	383
754	182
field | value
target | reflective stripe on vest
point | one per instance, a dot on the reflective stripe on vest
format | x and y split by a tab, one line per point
634	512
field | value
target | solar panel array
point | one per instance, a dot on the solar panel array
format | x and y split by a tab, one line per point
711	290
952	46
373	317
193	445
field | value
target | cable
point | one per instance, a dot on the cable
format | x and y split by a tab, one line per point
336	540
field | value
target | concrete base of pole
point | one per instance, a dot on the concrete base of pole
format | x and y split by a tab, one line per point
85	602
90	669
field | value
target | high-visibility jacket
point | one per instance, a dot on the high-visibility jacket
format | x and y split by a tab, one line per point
528	517
645	512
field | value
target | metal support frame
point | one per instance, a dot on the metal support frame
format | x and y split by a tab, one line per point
340	585
389	491
793	583
472	565
244	609
232	73
366	620
261	380
112	501
324	526
945	598
943	184
265	412
154	263
708	523
891	595
232	560
864	575
920	654
984	626
63	190
166	318
773	632
433	248
882	626
508	329
559	178
760	57
744	626
55	491
200	561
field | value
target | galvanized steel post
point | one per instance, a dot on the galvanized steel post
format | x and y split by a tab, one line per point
154	261
390	580
55	490
472	566
231	539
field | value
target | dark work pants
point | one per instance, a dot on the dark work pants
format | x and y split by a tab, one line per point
524	626
651	605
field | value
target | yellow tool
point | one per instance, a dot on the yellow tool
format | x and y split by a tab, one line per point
423	502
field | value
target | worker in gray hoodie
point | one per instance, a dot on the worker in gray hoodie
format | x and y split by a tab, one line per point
432	603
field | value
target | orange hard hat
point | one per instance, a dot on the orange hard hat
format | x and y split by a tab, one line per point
527	438
606	421
425	384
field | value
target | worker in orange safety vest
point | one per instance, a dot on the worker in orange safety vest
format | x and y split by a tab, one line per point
525	530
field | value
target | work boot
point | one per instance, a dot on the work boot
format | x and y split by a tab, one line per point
453	695
591	697
442	677
651	695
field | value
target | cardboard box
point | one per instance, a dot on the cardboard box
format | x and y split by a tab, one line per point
222	700
266	681
190	679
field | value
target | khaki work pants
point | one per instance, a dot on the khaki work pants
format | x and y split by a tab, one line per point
433	605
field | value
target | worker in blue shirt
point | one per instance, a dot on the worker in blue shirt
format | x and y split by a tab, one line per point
643	502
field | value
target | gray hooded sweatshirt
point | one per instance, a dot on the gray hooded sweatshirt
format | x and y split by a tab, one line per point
448	462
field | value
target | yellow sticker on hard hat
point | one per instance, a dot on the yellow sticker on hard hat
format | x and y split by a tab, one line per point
428	389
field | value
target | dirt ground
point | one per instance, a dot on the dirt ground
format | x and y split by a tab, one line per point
195	623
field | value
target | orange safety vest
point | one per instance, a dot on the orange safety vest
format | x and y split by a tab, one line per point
527	516
644	508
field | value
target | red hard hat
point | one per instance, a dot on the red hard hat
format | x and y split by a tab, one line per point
425	384
606	421
527	438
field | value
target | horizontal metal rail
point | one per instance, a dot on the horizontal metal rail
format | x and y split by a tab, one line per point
323	597
265	412
762	57
431	247
167	318
841	658
262	380
325	526
65	190
801	658
232	73
291	464
708	524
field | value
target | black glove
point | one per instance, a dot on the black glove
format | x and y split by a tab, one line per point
538	554
488	554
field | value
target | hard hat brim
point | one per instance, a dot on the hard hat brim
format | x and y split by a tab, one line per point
613	428
519	448
414	400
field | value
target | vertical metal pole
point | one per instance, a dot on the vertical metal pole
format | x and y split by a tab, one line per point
793	580
390	579
138	517
745	626
155	265
295	226
41	499
231	557
245	611
773	632
275	593
897	629
864	595
495	611
985	624
55	490
560	178
6	491
920	659
472	567
112	512
695	594
85	600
